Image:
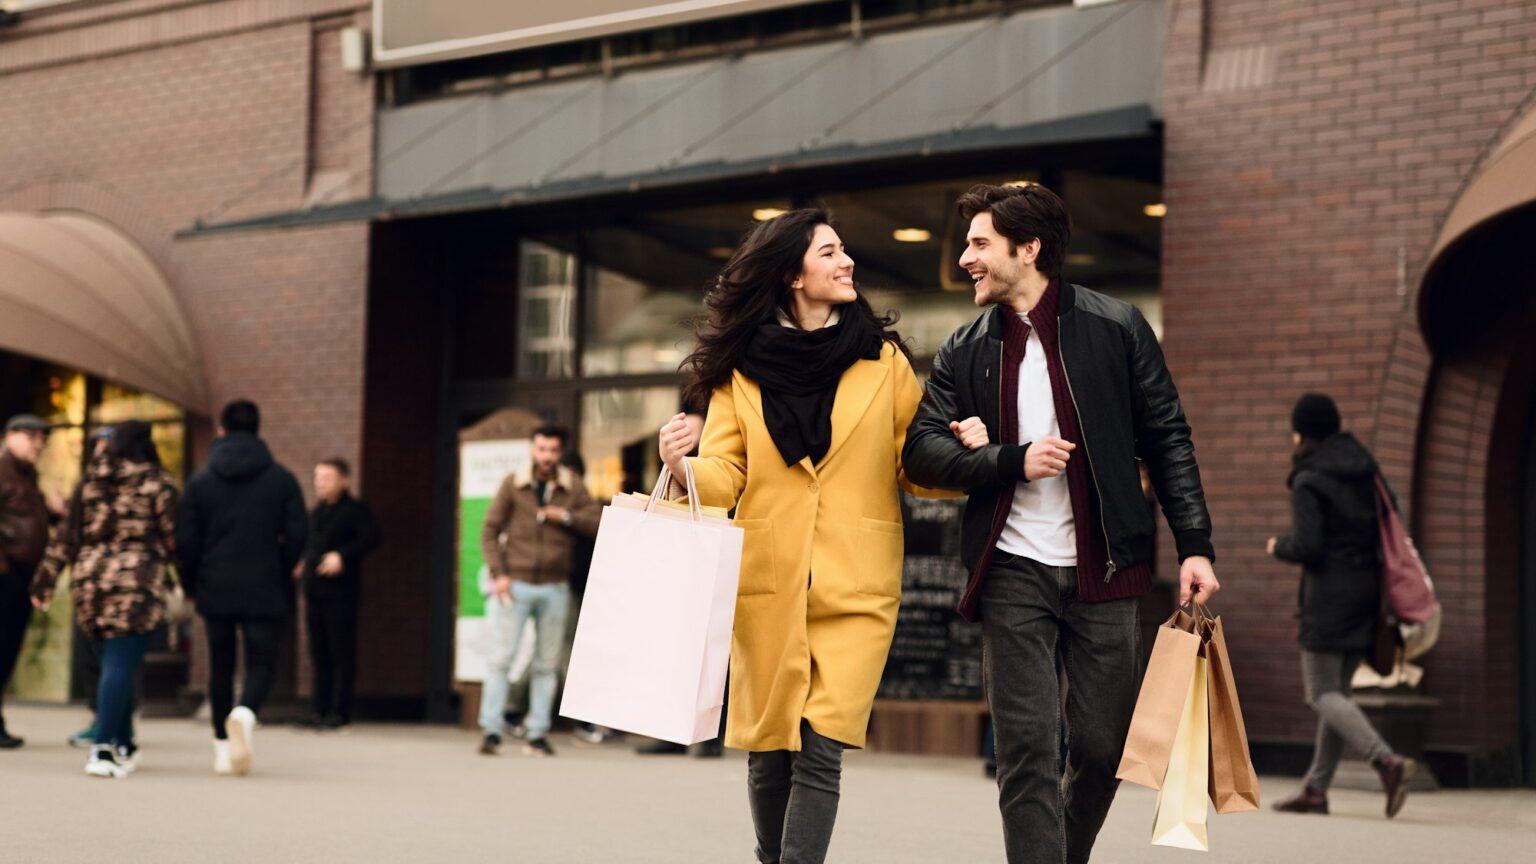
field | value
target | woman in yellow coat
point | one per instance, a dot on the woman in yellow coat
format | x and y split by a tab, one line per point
809	395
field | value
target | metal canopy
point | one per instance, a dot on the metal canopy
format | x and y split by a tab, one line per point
1030	78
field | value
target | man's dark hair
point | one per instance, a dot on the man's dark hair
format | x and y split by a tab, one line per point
241	415
552	431
1022	214
339	464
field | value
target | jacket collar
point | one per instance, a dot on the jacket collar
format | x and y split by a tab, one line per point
1064	305
25	470
565	478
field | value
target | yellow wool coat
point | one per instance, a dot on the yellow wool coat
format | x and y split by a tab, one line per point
821	561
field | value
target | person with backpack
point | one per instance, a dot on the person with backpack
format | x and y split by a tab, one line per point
1335	537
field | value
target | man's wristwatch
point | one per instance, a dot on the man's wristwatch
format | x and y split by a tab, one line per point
566	518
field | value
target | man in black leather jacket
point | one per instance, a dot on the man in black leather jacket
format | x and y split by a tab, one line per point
1072	387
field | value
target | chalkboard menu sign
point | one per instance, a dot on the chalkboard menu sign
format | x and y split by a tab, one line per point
935	654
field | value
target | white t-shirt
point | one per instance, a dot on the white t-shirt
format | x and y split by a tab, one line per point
1040	525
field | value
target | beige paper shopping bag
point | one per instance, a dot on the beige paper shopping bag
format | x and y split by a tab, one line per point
1180	820
1160	703
1234	784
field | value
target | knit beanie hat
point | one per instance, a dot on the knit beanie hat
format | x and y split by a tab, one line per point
1315	416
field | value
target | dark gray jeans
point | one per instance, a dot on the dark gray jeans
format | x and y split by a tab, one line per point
1339	720
794	799
1061	679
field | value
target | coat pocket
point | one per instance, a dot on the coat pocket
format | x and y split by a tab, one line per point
758	575
880	555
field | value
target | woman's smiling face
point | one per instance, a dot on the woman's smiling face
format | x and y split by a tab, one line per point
826	274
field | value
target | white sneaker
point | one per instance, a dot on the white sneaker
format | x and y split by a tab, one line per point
129	759
241	726
221	757
102	763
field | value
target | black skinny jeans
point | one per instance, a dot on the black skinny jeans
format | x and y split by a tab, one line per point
333	653
794	799
261	642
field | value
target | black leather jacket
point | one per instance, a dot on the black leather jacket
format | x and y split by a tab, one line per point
1128	409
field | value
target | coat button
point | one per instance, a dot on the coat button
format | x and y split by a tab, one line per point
814	487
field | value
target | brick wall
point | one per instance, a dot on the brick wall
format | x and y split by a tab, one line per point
1312	151
152	115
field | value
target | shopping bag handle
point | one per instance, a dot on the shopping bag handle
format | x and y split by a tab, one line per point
664	479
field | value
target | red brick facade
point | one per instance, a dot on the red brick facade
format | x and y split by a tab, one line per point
1304	195
1313	150
151	115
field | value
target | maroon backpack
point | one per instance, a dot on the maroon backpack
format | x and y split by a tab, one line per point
1407	590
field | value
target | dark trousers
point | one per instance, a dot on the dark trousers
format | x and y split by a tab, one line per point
1055	666
261	637
120	659
794	799
333	653
15	610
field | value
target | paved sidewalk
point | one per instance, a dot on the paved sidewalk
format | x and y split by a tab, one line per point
421	794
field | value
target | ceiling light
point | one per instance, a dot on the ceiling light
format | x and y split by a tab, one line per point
912	235
1021	183
1080	259
1156	211
763	214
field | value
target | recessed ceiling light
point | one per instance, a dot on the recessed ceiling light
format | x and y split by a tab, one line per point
1156	211
912	235
1080	259
763	214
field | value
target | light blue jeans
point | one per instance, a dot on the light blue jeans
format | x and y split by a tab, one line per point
547	606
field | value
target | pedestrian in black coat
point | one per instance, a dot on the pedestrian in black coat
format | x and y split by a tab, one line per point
341	532
1335	539
239	532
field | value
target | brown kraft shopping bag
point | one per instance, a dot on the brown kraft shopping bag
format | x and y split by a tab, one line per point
1234	785
1161	703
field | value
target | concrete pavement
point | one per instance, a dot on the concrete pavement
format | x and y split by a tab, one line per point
418	794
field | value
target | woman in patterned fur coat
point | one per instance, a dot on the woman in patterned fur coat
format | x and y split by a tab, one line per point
118	541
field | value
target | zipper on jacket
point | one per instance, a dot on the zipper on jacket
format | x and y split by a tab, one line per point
1001	357
1083	427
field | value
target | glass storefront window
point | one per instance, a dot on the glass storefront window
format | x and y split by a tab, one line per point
618	437
168	427
634	327
547	312
646	281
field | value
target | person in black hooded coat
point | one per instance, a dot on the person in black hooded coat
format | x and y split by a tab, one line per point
240	530
1335	539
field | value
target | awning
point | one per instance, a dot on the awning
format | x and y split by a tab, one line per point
1506	180
1030	78
76	291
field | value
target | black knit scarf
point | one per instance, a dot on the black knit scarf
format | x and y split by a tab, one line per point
798	371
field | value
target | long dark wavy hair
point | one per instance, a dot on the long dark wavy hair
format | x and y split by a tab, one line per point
751	290
133	441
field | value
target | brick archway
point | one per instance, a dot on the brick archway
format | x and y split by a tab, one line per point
1477	305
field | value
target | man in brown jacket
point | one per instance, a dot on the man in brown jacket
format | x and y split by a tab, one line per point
526	542
23	538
